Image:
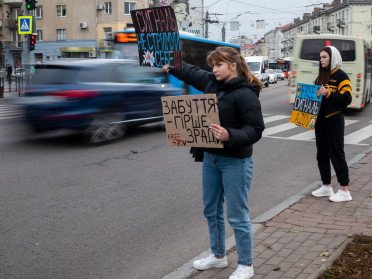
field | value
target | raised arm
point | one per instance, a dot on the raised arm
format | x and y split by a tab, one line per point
192	75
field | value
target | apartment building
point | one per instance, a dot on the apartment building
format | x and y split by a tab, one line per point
66	29
78	28
351	17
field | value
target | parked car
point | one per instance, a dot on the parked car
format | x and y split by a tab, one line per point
272	75
279	74
99	98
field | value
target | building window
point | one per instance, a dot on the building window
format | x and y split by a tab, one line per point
39	35
61	10
129	6
108	8
107	37
38	12
61	34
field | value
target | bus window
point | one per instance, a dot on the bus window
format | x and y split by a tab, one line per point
311	47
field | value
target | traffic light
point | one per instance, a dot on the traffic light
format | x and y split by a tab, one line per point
31	4
32	42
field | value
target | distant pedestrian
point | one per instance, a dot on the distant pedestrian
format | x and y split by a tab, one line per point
9	71
330	125
227	171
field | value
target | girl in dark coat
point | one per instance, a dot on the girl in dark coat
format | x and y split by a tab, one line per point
330	125
227	172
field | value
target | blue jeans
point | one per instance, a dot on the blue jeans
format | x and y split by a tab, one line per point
230	178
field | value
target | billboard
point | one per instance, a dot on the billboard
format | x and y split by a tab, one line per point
189	14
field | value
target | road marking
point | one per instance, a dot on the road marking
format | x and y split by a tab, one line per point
359	135
353	138
7	112
278	129
309	135
275	118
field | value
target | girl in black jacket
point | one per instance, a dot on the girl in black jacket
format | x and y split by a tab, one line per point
227	172
330	125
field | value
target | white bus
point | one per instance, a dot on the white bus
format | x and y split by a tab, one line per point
357	63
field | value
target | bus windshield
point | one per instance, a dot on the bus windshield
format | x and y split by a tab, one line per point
310	49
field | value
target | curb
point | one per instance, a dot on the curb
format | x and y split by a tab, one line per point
186	270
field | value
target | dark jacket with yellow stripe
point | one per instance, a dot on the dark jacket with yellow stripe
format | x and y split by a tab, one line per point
339	94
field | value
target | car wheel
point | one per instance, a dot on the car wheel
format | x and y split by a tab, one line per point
105	127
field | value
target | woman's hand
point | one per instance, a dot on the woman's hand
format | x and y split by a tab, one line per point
219	132
166	68
322	91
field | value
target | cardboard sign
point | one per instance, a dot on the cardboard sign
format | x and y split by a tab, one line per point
306	106
157	37
187	119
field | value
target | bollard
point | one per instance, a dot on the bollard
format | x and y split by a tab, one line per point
2	91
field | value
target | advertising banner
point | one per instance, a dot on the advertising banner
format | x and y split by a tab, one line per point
189	14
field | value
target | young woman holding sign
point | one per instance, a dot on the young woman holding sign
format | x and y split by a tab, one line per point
330	125
227	171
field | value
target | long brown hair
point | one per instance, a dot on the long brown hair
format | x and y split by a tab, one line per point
231	55
324	74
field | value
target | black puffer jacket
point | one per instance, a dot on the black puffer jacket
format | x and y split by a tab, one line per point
239	109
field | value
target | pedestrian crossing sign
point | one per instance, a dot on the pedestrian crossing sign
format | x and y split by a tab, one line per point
25	25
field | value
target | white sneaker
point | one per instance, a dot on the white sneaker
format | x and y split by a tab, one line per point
341	196
242	272
324	191
210	262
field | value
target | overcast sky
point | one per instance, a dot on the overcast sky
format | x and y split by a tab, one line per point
274	12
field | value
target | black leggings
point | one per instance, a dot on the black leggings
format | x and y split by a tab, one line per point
329	134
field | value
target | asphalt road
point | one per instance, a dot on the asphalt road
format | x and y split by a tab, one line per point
132	208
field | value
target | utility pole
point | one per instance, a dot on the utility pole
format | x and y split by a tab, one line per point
207	21
223	32
206	24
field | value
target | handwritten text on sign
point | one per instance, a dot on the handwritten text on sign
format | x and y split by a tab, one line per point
157	36
187	119
306	106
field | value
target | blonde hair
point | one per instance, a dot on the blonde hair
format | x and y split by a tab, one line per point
231	55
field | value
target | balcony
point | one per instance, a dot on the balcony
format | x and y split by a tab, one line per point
11	23
341	23
13	46
330	26
15	3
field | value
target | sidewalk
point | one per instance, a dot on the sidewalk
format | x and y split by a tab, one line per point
305	238
14	93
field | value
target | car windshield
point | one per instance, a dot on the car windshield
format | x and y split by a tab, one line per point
254	66
115	72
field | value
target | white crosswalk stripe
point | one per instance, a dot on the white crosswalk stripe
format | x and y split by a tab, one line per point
310	135
8	112
359	135
278	129
279	124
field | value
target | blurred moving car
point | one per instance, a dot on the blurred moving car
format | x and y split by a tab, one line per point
100	98
279	74
272	75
